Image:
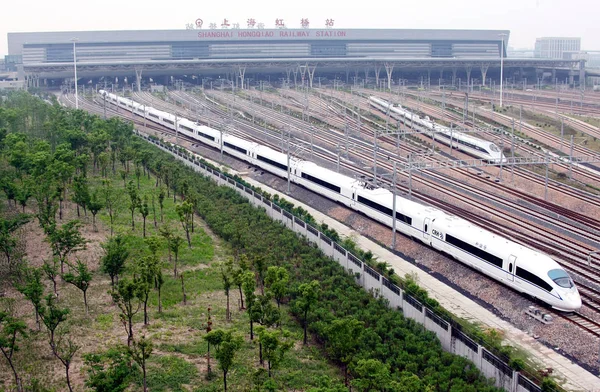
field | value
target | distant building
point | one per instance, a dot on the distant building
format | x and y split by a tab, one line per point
519	53
555	47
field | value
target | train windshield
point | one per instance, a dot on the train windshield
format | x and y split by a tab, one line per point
494	148
561	278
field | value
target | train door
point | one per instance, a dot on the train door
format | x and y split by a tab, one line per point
512	265
426	225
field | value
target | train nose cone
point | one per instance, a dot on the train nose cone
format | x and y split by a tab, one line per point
573	300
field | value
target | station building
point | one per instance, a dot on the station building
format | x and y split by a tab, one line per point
236	52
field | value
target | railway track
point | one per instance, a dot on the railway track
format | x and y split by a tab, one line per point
328	157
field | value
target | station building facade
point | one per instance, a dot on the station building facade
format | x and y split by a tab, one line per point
173	45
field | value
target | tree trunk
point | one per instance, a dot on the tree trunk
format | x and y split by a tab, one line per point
144	227
130	337
175	264
94	222
68	379
9	359
60	209
111	223
187	234
228	313
208	362
159	303
183	290
305	325
269	367
146	310
241	297
132	221
224	380
85	301
144	371
192	222
161	214
251	323
260	357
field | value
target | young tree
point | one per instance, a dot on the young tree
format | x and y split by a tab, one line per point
175	247
138	174
371	374
154	211
66	240
33	289
146	274
10	330
238	275
161	201
8	226
50	269
226	346
81	193
65	351
308	294
275	344
80	276
166	231
95	205
134	201
116	255
343	340
249	287
259	263
111	200
145	211
123	175
185	211
127	296
277	282
263	312
227	282
24	193
52	316
140	352
109	371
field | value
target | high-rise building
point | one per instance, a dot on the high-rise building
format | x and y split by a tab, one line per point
555	47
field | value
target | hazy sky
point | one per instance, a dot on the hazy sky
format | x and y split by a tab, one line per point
526	19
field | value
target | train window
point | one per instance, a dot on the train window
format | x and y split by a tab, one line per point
561	278
425	228
510	268
475	251
534	279
324	184
388	211
271	162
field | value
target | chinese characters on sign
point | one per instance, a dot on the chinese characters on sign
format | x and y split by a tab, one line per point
251	24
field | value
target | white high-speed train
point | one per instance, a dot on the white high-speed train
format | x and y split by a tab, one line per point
525	270
461	141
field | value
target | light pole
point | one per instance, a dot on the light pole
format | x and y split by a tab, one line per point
75	67
501	66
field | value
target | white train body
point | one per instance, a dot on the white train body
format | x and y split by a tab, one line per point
525	270
461	141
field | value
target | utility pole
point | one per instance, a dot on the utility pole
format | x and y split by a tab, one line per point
394	208
289	170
